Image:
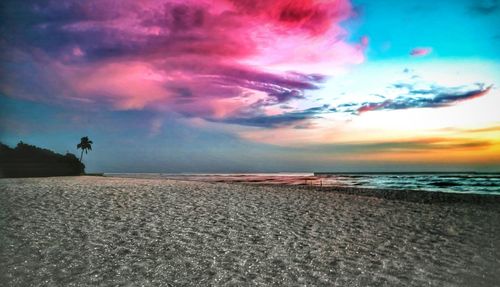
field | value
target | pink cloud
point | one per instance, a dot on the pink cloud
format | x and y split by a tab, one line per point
365	41
419	52
131	85
208	59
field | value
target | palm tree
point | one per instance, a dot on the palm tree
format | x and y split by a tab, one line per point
85	144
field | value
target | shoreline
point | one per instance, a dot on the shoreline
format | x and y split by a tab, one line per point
417	196
408	195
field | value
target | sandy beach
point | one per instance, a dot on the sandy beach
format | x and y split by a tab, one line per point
81	231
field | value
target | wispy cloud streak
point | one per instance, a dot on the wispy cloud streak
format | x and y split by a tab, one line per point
440	97
414	96
284	119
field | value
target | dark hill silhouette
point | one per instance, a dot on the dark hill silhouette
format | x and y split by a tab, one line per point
30	161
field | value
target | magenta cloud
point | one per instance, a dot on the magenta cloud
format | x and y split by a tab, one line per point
209	59
420	52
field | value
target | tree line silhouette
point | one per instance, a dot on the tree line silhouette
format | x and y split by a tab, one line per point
30	161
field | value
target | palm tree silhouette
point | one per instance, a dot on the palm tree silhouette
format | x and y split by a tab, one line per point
85	144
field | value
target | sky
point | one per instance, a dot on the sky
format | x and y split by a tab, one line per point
255	86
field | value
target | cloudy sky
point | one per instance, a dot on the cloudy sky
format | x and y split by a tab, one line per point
255	85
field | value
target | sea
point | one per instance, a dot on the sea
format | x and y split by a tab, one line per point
476	183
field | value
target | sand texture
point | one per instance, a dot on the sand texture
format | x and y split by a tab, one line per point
81	231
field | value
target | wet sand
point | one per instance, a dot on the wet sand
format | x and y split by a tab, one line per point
80	231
